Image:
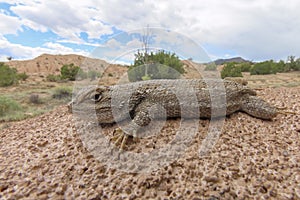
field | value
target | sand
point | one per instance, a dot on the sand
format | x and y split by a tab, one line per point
45	158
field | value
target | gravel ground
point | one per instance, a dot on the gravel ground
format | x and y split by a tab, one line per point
44	158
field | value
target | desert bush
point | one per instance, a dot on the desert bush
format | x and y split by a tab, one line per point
8	76
35	99
22	76
8	106
245	67
53	78
280	67
210	67
292	64
262	68
298	64
231	70
159	65
62	93
69	72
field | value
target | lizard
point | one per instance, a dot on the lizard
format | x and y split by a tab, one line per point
134	101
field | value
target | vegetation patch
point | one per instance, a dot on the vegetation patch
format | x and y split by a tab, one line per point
53	78
69	72
9	107
210	67
231	70
8	76
245	67
158	65
35	99
22	76
263	68
62	93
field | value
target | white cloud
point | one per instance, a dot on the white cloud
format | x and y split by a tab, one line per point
256	29
113	44
9	24
61	17
25	52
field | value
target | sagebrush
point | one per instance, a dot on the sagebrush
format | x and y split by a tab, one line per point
158	65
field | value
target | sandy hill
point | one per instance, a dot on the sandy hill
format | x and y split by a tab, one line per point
46	64
50	64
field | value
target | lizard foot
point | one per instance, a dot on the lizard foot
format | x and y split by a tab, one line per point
120	137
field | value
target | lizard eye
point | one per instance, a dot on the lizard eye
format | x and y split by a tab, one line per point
96	97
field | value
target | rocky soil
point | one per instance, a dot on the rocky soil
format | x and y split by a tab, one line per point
45	158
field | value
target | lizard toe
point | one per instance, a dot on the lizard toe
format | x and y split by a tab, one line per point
120	138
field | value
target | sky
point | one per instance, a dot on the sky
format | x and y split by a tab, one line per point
256	30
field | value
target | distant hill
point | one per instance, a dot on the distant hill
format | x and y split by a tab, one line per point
235	59
50	64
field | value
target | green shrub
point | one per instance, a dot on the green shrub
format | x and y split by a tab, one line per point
8	76
159	65
53	78
69	72
210	67
245	67
22	76
297	66
280	67
231	70
262	68
8	106
62	93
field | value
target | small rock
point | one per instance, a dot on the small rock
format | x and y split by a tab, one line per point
3	187
285	153
263	189
128	190
212	179
273	193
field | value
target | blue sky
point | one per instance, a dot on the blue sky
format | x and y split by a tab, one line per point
256	30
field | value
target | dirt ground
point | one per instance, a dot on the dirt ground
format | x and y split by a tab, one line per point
45	158
48	157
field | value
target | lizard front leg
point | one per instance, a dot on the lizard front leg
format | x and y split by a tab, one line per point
140	119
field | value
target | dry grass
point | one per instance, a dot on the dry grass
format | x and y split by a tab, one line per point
23	95
291	79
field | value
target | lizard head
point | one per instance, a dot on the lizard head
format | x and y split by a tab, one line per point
93	99
91	94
